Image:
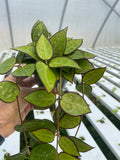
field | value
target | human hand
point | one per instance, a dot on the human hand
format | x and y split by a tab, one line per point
9	115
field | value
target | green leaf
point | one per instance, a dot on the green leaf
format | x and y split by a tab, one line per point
102	120
19	156
36	124
7	65
39	29
68	146
87	54
32	44
41	98
115	110
18	128
82	146
26	59
8	91
44	135
74	104
26	70
65	156
58	41
69	38
20	56
46	75
30	50
63	132
69	75
55	116
34	26
44	48
43	152
77	54
68	121
85	66
66	69
34	139
49	34
87	88
56	72
72	45
63	62
114	89
93	76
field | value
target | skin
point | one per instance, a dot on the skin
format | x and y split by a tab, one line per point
9	116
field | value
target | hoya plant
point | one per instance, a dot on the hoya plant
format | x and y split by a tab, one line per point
51	59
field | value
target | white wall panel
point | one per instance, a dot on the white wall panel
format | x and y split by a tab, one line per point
84	18
117	8
110	35
24	13
5	40
110	2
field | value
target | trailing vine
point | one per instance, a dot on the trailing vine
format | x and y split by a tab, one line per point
51	59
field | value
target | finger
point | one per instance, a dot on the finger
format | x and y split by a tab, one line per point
27	82
20	81
55	90
28	108
10	78
26	90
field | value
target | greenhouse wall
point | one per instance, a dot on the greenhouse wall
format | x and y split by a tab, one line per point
96	21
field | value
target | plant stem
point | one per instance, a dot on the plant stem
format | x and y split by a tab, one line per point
58	113
26	142
79	125
82	115
19	109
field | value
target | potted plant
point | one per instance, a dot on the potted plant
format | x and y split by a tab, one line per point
51	59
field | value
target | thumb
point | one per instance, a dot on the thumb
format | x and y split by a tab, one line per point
24	91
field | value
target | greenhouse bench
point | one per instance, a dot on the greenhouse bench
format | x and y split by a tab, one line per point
101	127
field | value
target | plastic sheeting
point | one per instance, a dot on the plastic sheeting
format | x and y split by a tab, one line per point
85	19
